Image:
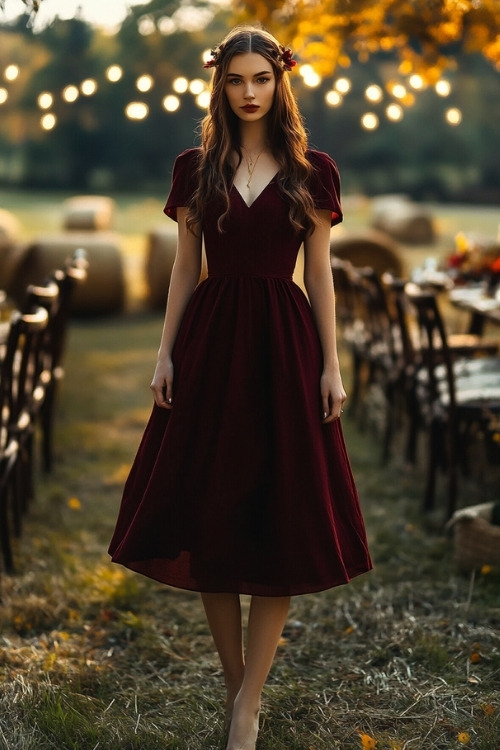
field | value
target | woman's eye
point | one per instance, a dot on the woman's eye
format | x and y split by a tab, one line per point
262	80
235	81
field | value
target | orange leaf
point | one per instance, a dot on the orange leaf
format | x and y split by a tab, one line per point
367	742
463	738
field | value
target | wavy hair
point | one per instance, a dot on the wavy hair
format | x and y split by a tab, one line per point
220	134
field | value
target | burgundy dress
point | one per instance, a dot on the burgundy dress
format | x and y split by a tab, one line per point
240	487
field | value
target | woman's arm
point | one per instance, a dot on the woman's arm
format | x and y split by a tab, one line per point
319	285
184	279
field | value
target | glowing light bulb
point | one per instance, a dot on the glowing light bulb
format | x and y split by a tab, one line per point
453	116
70	94
48	121
136	110
443	87
171	103
333	98
180	85
369	121
45	100
144	83
374	93
11	72
343	85
88	87
114	73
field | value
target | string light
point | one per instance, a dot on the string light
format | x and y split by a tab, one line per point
114	73
370	121
171	103
443	87
180	85
48	121
203	99
4	95
197	86
88	87
394	112
70	94
45	100
453	116
144	83
333	98
416	82
137	110
374	93
343	85
11	72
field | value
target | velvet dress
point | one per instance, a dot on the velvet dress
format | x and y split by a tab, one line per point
240	487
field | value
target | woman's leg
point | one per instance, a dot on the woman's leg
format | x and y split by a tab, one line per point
266	620
223	613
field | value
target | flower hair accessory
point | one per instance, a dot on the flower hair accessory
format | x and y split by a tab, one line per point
286	56
214	60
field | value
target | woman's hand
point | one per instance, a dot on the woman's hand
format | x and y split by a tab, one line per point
162	383
333	395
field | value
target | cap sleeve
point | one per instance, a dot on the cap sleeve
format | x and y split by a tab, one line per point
325	184
183	181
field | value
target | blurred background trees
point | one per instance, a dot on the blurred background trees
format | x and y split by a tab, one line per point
404	93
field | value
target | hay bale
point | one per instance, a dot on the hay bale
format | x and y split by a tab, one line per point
88	213
368	248
161	247
160	255
104	289
403	220
10	251
476	539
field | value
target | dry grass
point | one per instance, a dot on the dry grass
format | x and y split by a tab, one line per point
94	657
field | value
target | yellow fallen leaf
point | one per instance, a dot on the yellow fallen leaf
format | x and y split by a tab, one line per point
463	738
367	742
74	503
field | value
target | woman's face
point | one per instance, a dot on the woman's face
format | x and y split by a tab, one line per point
250	86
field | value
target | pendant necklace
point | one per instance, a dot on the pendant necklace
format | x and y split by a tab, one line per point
251	164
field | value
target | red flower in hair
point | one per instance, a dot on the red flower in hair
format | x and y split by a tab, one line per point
287	57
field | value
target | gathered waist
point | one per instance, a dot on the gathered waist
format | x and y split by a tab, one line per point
269	276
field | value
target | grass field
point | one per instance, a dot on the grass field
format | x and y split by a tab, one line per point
93	657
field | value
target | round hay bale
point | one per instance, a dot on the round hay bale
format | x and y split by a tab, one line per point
368	248
160	255
476	539
10	250
161	247
403	220
88	213
104	290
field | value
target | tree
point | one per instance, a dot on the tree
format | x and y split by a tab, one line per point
424	34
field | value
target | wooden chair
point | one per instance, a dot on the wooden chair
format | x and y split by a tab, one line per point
457	393
66	280
19	375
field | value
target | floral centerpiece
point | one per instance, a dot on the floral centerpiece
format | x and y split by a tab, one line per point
474	259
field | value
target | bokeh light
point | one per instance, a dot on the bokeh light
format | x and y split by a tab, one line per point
114	73
11	72
137	110
144	83
88	87
370	121
443	87
374	93
45	100
453	116
70	94
171	103
196	86
4	95
48	121
394	112
180	85
333	98
203	99
343	85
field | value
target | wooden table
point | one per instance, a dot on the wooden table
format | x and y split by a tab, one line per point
482	308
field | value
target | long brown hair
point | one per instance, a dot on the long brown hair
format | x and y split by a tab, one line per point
220	134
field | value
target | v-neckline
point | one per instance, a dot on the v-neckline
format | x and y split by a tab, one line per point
249	205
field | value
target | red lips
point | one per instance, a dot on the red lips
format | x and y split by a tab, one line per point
250	108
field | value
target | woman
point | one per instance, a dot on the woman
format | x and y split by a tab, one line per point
242	484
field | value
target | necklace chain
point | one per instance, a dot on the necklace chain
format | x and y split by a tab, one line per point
251	164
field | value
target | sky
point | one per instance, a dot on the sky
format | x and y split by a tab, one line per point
107	13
